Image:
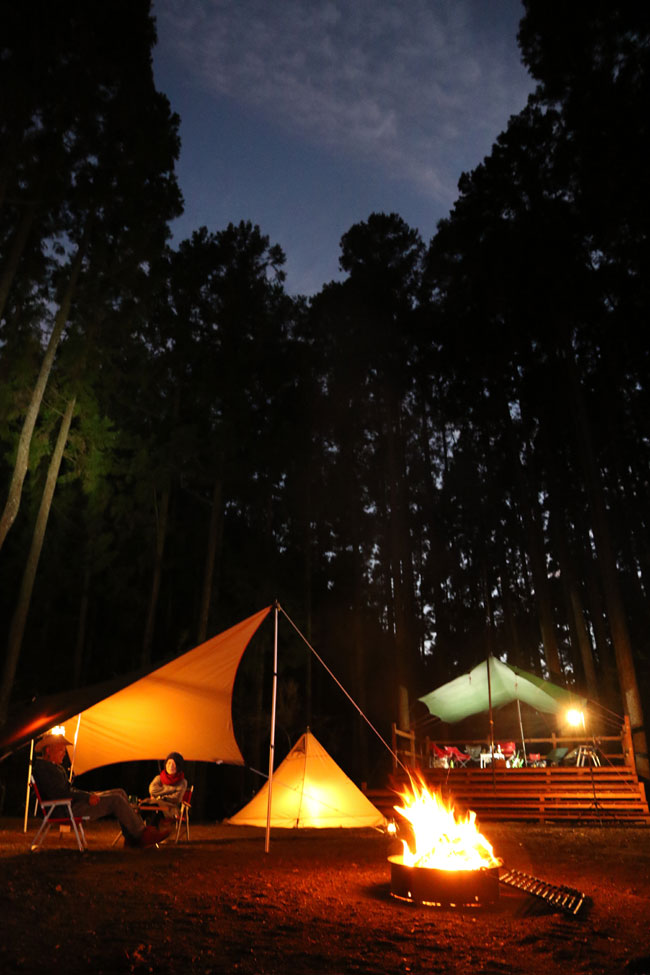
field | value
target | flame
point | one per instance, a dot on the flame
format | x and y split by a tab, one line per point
442	841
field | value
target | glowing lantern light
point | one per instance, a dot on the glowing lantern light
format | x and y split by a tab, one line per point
576	718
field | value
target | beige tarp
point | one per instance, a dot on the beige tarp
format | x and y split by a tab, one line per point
184	706
310	790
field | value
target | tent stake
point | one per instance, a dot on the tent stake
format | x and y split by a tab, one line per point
272	741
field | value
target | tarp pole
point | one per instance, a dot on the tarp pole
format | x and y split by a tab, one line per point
74	746
274	697
489	682
521	731
29	776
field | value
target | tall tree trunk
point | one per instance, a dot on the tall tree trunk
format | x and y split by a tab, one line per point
360	674
575	612
401	567
509	615
308	598
582	636
388	601
605	660
162	520
22	455
593	602
17	247
213	547
17	628
542	593
536	551
80	642
437	557
607	563
359	662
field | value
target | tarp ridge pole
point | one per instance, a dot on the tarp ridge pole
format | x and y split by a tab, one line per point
274	697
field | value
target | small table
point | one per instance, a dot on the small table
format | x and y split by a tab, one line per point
485	758
152	809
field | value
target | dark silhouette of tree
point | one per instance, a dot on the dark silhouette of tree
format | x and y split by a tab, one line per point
597	76
88	114
364	328
442	455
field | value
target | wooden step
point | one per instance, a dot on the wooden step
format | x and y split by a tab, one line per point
591	794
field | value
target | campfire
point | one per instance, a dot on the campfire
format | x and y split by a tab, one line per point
445	860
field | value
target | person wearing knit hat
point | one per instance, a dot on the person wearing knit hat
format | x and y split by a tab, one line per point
167	789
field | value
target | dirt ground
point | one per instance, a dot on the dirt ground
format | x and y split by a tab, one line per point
318	902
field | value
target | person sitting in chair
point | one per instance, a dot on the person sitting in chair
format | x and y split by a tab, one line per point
166	791
53	783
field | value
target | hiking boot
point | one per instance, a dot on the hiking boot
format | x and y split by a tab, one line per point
152	836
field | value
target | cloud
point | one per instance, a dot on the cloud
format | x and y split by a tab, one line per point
411	87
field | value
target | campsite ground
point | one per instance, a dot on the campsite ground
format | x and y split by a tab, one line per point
318	902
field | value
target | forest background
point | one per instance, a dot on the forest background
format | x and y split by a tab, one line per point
444	454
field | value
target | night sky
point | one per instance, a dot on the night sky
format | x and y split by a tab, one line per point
306	116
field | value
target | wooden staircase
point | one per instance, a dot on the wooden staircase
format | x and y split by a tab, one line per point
590	794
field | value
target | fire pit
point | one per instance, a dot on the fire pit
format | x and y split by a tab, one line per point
446	861
444	888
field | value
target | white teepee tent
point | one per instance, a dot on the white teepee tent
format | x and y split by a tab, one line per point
310	790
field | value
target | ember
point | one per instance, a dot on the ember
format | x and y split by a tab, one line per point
447	861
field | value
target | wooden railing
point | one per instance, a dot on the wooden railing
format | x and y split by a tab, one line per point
412	751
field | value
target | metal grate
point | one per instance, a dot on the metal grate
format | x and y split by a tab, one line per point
564	898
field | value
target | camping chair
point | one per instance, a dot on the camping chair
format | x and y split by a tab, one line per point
440	756
456	756
65	816
183	814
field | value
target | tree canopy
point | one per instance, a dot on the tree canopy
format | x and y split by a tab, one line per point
440	456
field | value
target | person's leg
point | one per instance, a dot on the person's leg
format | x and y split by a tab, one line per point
113	802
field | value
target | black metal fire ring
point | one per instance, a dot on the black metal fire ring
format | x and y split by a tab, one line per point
459	888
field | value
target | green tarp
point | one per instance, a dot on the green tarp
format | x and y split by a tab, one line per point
468	695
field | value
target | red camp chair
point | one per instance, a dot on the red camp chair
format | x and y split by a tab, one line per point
64	816
508	749
440	757
456	756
